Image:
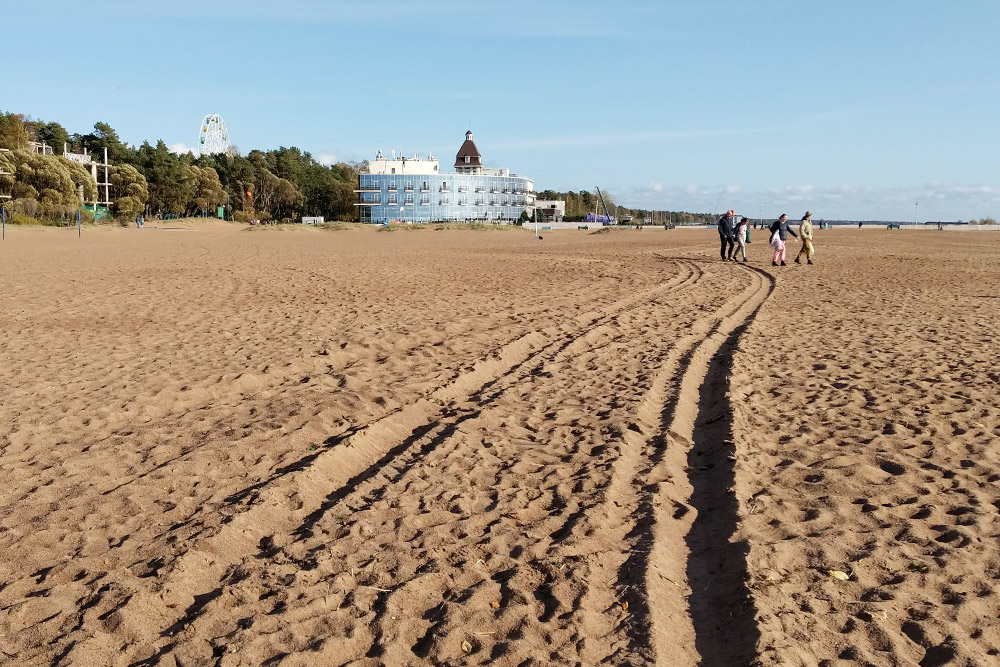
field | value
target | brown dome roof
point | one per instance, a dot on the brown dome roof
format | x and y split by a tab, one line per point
468	150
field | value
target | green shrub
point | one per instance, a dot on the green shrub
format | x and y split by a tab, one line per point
473	226
25	206
338	226
22	219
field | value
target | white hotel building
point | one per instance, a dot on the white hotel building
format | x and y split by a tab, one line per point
414	190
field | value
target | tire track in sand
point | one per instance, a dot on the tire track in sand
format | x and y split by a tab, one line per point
550	573
181	593
497	501
622	515
700	611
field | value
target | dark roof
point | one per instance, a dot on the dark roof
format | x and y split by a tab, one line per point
468	149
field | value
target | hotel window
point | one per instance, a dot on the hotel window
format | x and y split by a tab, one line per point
392	198
468	159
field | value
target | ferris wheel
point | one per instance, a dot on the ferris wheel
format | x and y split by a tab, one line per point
214	137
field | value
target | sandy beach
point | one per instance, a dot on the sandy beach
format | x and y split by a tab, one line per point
224	445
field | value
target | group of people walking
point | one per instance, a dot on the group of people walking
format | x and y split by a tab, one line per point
735	235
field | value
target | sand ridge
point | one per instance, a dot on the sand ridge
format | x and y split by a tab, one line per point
308	447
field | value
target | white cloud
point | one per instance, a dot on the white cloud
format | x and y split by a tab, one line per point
933	201
182	149
326	159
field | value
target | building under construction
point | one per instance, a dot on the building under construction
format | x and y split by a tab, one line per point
101	173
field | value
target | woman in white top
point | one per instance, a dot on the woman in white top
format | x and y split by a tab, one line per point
741	239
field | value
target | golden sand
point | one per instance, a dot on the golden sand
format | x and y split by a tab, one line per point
233	446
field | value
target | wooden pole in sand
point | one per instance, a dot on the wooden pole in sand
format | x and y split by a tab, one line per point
79	224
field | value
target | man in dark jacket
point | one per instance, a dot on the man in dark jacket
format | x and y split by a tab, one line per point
727	234
779	232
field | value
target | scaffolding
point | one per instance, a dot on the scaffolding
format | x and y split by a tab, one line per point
39	148
87	160
4	196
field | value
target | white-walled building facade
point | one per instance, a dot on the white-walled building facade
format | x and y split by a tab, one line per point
414	189
550	209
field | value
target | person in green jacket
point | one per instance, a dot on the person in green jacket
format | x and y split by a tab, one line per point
806	235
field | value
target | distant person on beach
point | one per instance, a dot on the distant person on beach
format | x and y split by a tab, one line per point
806	236
727	234
742	231
779	232
860	222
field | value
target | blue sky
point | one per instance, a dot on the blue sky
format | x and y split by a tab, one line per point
852	109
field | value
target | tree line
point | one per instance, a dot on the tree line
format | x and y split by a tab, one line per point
151	180
578	204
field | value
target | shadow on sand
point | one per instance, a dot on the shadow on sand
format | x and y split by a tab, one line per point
721	605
